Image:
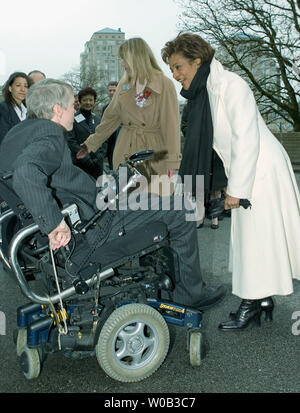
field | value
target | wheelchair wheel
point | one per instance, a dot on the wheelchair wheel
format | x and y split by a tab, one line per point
196	348
21	340
133	343
30	362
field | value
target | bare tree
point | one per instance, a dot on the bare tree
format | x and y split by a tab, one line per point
259	37
73	78
94	79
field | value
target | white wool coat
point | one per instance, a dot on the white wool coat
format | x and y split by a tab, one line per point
265	240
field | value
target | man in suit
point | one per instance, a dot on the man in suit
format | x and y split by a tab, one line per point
46	179
36	75
85	122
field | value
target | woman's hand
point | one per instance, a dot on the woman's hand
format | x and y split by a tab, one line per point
83	152
60	236
171	172
231	202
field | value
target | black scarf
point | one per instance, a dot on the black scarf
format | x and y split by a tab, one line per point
88	119
197	151
86	113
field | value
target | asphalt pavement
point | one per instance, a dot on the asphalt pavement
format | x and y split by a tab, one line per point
262	359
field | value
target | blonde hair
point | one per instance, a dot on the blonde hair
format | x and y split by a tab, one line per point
140	59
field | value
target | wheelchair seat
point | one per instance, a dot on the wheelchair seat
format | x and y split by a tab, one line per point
132	242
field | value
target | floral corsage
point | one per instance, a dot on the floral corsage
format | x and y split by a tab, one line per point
141	98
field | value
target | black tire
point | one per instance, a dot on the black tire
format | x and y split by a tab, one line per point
133	343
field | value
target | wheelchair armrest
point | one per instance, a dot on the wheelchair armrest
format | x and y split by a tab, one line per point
72	212
3	217
7	175
16	243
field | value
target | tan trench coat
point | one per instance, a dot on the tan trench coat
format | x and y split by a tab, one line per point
155	126
265	240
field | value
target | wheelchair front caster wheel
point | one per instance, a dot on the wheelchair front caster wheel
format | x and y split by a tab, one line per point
21	340
30	362
196	348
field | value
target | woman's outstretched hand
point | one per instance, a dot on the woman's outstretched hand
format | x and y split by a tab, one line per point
83	151
171	172
231	202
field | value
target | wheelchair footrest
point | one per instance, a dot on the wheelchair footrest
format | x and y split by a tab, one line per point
38	331
177	314
27	313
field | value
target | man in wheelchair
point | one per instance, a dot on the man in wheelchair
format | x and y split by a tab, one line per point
46	181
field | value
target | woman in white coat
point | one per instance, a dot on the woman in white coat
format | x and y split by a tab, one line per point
265	240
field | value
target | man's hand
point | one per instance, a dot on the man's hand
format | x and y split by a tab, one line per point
83	151
231	202
60	236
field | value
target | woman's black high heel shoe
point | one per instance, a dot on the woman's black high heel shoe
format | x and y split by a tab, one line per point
266	305
249	312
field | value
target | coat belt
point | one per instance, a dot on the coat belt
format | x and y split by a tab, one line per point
141	128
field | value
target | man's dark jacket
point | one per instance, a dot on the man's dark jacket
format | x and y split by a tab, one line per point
82	129
44	176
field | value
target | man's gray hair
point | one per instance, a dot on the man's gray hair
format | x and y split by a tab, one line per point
44	95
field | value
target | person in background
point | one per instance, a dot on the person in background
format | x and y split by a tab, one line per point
13	108
85	122
145	105
111	141
36	75
224	118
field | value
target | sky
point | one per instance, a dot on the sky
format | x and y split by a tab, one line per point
50	35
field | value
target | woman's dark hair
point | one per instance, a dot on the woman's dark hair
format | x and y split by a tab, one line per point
87	91
191	46
6	92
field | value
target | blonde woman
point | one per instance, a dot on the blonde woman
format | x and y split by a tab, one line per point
145	106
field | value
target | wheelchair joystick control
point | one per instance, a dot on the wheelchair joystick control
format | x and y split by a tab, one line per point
81	287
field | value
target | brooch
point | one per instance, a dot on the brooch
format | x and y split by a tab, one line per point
142	97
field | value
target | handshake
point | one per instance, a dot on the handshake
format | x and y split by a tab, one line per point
83	152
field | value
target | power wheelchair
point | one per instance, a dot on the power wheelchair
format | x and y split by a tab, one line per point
119	313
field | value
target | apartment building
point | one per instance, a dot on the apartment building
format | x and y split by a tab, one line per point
99	62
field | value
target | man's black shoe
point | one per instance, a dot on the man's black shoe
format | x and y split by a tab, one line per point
210	297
